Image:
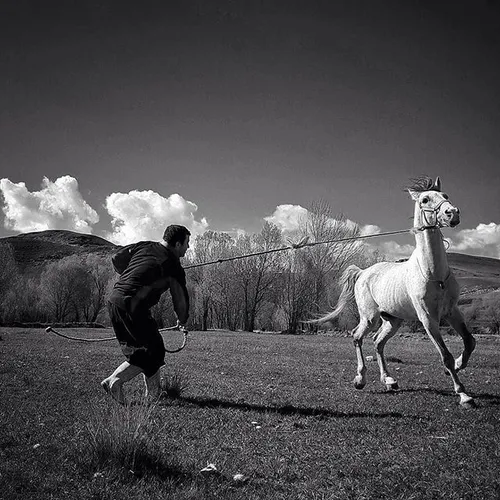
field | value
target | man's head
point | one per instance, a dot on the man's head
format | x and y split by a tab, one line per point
177	239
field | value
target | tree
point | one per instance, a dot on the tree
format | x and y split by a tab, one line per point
328	260
22	300
67	289
257	276
100	279
297	291
208	289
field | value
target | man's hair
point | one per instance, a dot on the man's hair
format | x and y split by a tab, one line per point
175	233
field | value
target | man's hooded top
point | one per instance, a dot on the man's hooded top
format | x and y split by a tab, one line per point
145	269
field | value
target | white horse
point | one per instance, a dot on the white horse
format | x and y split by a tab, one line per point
422	288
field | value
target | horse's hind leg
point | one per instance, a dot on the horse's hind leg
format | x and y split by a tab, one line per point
358	333
388	329
456	320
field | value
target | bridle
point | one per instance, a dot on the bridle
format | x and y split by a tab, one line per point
432	211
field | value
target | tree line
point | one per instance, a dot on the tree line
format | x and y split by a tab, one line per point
273	292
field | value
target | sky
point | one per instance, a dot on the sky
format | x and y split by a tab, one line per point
117	120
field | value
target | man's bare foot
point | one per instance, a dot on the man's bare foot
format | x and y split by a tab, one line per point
114	389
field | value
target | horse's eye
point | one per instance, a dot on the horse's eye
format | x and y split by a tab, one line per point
425	199
445	196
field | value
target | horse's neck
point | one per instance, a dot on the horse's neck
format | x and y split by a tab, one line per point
429	250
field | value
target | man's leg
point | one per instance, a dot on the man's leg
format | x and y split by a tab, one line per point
153	389
113	385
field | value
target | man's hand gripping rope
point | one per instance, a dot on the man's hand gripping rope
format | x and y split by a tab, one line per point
177	327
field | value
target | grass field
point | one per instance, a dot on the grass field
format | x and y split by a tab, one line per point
281	410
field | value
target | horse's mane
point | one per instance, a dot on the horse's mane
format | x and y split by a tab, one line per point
421	184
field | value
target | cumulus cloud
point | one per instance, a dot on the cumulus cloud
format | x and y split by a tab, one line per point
484	240
58	205
369	229
394	251
287	217
143	215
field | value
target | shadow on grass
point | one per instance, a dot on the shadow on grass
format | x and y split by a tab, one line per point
145	465
149	466
492	399
285	409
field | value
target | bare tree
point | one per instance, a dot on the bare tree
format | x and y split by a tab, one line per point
328	260
101	276
56	289
257	275
67	288
208	288
297	290
322	264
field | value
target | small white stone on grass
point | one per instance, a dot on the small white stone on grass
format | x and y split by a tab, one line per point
209	469
240	478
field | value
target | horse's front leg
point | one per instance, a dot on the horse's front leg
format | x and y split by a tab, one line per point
432	328
456	321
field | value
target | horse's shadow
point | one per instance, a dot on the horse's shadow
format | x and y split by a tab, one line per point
286	410
490	399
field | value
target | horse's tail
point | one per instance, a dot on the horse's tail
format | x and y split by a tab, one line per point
347	281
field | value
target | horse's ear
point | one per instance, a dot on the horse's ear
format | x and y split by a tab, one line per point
414	194
437	184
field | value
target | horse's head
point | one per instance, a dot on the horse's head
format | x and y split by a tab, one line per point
432	206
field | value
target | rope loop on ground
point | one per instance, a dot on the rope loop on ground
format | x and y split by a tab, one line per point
185	332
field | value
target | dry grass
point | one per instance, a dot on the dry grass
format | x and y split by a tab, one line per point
175	383
118	437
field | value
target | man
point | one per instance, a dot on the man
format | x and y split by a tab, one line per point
147	269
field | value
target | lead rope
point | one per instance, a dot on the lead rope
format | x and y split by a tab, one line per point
294	246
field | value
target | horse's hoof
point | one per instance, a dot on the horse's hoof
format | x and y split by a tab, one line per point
358	385
466	401
392	387
390	384
468	405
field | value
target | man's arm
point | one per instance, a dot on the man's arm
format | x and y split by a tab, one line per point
180	300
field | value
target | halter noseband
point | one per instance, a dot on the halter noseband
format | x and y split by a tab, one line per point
434	211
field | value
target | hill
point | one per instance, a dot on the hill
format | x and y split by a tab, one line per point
475	274
32	250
